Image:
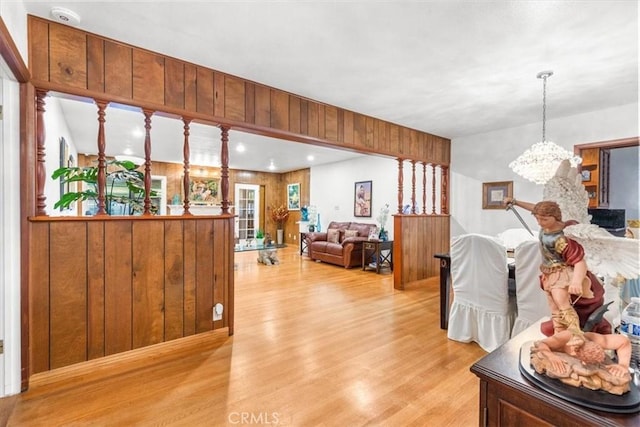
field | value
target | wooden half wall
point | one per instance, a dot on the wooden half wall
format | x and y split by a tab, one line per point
100	286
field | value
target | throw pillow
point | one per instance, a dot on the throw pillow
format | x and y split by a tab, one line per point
333	235
350	233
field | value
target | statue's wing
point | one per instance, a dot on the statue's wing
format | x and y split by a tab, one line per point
566	189
607	255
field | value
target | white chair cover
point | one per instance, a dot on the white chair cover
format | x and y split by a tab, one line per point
481	310
531	300
512	237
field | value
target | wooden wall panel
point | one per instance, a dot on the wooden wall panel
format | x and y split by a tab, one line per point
68	56
349	130
359	131
250	103
174	83
190	241
304	117
95	289
204	91
118	70
95	64
38	49
221	253
204	275
331	123
68	294
173	280
234	98
148	77
312	119
39	340
294	114
118	304
321	123
190	87
148	283
218	94
262	106
279	110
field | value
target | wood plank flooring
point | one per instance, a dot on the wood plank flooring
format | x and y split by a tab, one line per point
314	345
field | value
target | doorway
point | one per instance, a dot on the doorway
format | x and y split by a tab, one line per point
247	206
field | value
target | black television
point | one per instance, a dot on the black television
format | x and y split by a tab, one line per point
609	219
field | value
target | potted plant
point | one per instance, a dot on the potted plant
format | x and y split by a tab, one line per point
128	198
259	237
279	215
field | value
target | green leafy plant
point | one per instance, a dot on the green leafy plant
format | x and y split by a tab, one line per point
259	234
118	171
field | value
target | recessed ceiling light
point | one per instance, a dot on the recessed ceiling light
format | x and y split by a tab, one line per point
240	148
310	158
65	16
272	166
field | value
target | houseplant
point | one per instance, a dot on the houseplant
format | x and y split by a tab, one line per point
259	237
128	198
279	215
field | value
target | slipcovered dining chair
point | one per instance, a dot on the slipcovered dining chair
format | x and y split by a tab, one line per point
481	309
531	300
512	237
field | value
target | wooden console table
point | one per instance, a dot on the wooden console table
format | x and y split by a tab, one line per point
507	398
372	251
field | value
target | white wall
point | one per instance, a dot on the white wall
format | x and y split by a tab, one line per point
624	176
486	157
14	16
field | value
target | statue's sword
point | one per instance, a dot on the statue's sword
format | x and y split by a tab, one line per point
512	208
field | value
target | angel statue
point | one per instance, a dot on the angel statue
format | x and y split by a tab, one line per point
570	243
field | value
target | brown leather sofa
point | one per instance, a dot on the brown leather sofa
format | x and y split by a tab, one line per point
341	244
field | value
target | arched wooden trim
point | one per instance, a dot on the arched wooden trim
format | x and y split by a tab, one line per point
102	163
444	187
424	188
41	169
186	154
147	162
400	184
224	168
413	187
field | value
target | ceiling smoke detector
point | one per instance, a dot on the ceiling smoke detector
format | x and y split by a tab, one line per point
65	16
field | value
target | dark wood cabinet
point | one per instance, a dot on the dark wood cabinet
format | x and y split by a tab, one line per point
507	398
595	176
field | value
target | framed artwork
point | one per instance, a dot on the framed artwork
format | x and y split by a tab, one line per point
204	191
362	199
494	192
293	197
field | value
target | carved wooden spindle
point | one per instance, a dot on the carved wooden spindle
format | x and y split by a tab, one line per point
400	184
41	170
424	188
413	187
186	155
444	187
147	162
102	163
224	160
433	189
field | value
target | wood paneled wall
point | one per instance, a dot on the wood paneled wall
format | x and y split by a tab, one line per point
416	239
69	60
103	286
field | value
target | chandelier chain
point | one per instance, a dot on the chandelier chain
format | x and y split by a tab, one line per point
544	107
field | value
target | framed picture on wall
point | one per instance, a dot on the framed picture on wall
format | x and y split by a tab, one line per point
494	192
362	199
293	197
204	191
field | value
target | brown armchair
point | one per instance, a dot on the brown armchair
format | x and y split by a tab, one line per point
341	244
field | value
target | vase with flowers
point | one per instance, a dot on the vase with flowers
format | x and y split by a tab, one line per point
279	215
382	218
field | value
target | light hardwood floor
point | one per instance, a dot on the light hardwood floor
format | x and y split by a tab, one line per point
314	345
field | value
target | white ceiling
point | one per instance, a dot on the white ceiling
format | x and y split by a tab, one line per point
450	68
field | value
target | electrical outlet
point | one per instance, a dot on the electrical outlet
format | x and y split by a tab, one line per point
217	311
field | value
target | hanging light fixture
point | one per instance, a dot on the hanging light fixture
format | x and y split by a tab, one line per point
539	162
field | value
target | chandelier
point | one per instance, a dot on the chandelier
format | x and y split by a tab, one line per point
539	162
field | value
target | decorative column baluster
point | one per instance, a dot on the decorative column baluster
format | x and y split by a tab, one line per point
445	190
41	170
413	187
186	154
102	164
424	188
147	162
400	184
433	189
224	173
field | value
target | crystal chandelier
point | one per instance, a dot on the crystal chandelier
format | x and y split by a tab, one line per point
539	162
